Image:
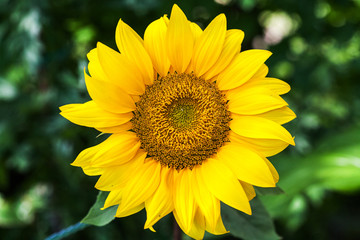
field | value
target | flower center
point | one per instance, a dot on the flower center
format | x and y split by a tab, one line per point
181	120
182	113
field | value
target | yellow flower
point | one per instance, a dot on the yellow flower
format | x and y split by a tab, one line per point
192	120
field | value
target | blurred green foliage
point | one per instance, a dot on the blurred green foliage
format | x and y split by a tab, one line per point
43	47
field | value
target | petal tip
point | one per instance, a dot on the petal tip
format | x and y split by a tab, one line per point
120	24
148	225
268	53
74	164
248	210
99	44
292	142
176	11
175	6
221	17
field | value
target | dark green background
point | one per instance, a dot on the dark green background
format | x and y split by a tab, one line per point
43	47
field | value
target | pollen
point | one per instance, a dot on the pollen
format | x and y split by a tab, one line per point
181	120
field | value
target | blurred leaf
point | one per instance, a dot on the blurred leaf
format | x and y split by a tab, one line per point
247	5
22	210
268	191
7	90
333	165
99	217
258	226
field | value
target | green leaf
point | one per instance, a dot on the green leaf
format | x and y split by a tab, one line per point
258	226
99	217
333	165
268	191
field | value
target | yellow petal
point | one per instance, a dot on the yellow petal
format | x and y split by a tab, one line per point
249	190
154	42
250	89
178	221
116	129
219	229
280	116
232	46
208	204
120	71
179	40
246	165
90	114
222	182
265	147
109	96
273	170
276	85
92	171
141	186
257	127
184	201
261	72
95	69
197	229
196	31
131	45
116	177
161	202
253	100
66	107
85	157
124	213
117	149
114	198
115	195
209	45
243	67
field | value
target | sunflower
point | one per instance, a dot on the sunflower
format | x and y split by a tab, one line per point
192	121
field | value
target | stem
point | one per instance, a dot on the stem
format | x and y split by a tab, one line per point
177	231
67	231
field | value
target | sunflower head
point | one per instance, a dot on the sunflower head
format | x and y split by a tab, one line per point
181	120
192	120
